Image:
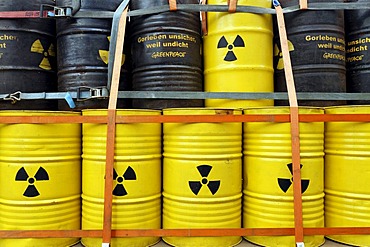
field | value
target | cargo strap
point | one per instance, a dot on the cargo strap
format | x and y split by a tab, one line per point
81	94
232	5
188	8
102	93
55	12
173	5
203	19
45	11
114	69
294	127
303	4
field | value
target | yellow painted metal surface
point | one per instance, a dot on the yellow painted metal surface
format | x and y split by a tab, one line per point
238	54
137	177
40	178
347	174
267	176
202	172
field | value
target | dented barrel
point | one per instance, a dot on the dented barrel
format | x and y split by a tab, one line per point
40	178
316	43
27	56
357	43
238	54
202	169
83	49
166	54
136	177
268	176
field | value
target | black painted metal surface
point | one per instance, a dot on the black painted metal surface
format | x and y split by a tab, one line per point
27	55
83	46
166	54
317	50
358	48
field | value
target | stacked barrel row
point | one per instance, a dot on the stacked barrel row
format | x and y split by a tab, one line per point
166	52
213	175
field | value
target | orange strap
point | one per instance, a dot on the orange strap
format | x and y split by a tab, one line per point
232	5
173	5
303	4
204	19
294	127
111	130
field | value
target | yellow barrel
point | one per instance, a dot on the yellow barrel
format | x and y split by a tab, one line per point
202	172
268	184
238	54
40	178
347	160
137	177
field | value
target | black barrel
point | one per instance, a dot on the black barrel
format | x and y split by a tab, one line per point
317	50
166	54
358	48
27	55
83	45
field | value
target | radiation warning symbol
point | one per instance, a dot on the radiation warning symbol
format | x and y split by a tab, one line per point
37	47
278	55
230	55
31	191
129	174
213	185
104	55
285	183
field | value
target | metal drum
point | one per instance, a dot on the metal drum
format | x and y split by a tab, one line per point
166	54
202	177
267	176
27	56
358	60
347	159
40	178
317	48
238	54
83	47
137	178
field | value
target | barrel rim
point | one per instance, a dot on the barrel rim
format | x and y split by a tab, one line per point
203	110
347	107
103	112
318	110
